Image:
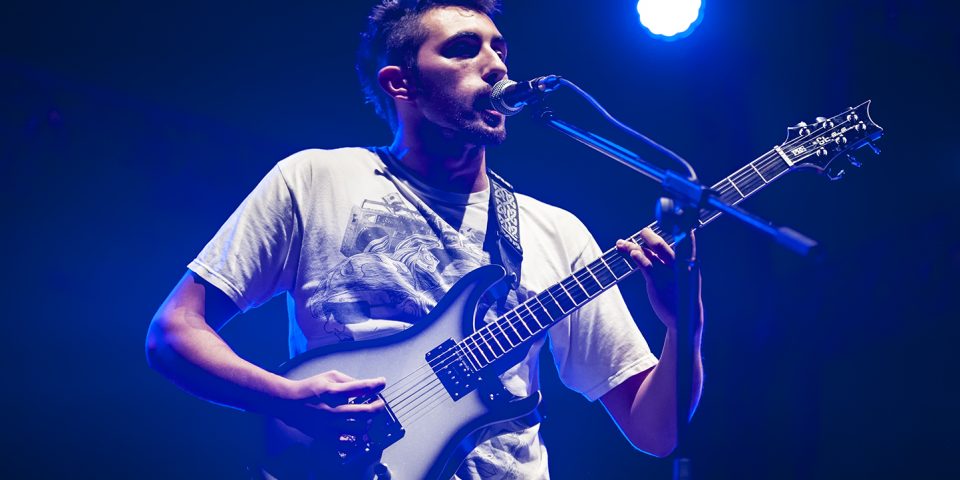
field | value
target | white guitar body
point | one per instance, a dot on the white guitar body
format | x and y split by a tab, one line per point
437	438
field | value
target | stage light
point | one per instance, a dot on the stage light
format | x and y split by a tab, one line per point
670	19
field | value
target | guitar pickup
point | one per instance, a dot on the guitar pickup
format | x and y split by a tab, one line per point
451	368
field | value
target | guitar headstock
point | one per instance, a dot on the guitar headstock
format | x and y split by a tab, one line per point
819	145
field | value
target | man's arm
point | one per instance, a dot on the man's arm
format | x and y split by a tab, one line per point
644	406
183	345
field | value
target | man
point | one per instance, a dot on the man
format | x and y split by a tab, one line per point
365	242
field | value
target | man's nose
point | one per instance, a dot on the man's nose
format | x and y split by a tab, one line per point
496	68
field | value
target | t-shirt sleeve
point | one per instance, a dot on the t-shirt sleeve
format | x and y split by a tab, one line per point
249	258
599	346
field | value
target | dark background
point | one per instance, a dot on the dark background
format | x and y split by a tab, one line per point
129	131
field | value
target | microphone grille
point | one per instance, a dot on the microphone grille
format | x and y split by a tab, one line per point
497	101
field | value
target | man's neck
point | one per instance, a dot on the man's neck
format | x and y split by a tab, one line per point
442	163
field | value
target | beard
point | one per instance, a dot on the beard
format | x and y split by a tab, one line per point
462	115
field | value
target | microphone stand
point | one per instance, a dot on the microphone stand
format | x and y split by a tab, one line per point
678	211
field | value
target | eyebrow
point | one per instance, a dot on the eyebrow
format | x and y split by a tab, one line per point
498	39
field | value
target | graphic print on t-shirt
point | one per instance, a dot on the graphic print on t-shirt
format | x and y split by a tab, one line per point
396	267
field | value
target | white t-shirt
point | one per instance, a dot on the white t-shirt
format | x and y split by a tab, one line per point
361	254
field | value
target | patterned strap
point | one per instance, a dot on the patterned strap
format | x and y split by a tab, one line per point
508	214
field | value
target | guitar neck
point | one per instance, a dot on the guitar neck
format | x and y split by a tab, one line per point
534	316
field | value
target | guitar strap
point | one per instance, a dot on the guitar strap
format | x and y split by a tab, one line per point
505	228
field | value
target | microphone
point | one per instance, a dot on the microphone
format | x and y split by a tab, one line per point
509	97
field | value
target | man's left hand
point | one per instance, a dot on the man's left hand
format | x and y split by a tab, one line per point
655	259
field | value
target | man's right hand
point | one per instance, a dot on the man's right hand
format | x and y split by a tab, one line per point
331	404
183	344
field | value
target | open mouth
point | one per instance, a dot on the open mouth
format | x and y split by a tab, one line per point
492	117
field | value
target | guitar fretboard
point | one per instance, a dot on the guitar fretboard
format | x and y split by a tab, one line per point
538	313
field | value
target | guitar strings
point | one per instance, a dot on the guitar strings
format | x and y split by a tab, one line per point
444	361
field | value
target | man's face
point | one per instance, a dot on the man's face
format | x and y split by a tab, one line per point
461	59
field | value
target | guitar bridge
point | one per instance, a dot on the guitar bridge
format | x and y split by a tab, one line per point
454	372
384	430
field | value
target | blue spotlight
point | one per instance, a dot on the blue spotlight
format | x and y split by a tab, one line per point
670	19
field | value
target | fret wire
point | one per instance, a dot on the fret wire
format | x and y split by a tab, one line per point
539	325
566	294
758	172
711	216
736	188
768	167
775	164
744	174
752	184
472	352
506	336
547	301
587	275
589	270
749	179
622	261
579	285
556	300
604	276
731	195
538	306
606	266
522	321
493	335
555	313
463	354
725	188
477	342
519	337
767	159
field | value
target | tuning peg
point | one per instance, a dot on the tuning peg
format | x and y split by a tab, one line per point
802	124
853	161
821	119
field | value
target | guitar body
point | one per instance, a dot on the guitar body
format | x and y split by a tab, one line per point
437	438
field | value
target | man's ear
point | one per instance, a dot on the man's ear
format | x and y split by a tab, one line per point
396	83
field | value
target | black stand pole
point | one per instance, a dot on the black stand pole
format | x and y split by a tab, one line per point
680	221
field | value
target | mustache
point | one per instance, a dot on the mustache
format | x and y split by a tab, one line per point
481	100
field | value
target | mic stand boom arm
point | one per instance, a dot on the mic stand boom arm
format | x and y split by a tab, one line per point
681	189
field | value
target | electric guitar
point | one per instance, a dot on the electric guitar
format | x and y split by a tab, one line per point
442	373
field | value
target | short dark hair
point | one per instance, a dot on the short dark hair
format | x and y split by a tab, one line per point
393	36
